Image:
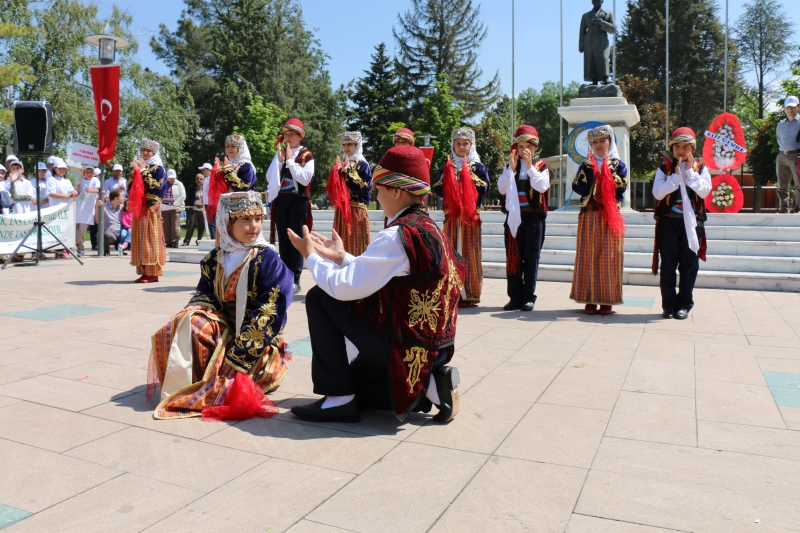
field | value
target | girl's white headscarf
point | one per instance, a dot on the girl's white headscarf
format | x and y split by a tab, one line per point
604	131
472	156
155	147
244	153
353	137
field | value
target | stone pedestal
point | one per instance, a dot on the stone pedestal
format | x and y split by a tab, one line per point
617	113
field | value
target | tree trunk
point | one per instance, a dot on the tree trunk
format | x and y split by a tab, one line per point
757	192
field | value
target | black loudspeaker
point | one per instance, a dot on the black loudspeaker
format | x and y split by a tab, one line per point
33	129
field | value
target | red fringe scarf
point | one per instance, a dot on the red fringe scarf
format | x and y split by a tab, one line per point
216	188
137	203
469	197
338	195
607	188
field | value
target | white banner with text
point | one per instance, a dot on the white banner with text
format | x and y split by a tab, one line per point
59	219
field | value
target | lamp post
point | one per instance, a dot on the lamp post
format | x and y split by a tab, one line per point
107	46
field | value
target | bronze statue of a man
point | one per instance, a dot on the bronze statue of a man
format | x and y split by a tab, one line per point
595	27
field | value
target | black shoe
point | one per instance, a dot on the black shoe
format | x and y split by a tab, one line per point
681	314
511	306
527	306
348	412
185	243
668	313
447	380
296	289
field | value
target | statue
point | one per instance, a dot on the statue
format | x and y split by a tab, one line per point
595	27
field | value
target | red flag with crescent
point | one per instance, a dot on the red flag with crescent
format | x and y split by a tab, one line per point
105	85
428	151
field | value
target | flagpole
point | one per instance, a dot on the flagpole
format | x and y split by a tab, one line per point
725	101
513	95
561	104
667	76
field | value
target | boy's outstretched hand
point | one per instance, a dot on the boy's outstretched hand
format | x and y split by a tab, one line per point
330	249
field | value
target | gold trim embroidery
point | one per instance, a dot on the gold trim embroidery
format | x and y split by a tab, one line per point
415	357
424	308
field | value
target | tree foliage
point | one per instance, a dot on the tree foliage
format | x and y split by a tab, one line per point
762	34
441	114
226	51
378	102
492	147
697	56
261	124
434	39
648	137
540	110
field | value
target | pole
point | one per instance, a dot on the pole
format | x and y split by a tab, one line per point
561	104
725	101
667	76
38	210
100	218
614	66
513	94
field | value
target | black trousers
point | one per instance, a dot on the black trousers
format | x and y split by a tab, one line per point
93	235
329	322
521	287
194	219
290	211
676	255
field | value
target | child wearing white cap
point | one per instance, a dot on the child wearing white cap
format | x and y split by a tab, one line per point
788	134
43	173
88	192
116	181
20	188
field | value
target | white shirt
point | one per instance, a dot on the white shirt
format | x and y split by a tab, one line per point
21	187
111	183
87	201
58	185
507	185
301	175
205	190
358	277
178	194
699	183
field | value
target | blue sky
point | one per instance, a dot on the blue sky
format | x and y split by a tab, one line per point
349	31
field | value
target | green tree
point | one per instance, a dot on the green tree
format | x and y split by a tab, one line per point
440	115
433	39
492	147
762	154
378	102
11	73
648	138
226	51
261	125
540	110
762	33
697	56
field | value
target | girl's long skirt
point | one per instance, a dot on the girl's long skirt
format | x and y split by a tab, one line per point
597	278
356	237
466	239
148	249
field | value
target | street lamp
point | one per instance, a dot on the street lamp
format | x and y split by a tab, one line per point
106	52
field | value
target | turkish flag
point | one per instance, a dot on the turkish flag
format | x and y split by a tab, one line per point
105	84
428	151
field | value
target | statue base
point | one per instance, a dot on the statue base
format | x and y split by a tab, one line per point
614	111
608	90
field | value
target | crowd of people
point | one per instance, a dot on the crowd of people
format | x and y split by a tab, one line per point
382	316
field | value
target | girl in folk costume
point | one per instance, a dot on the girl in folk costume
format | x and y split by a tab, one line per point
462	184
525	186
601	181
289	189
348	191
235	173
221	353
148	249
680	185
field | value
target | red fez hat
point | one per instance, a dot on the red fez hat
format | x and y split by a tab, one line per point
405	133
404	167
293	124
525	133
683	135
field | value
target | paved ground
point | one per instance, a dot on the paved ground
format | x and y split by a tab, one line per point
623	424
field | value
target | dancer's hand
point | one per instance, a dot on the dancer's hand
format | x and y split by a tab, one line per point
304	244
331	249
514	160
288	154
281	155
527	156
227	371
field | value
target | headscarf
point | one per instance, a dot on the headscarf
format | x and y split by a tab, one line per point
405	133
683	135
604	181
472	156
354	137
525	134
244	153
601	132
155	147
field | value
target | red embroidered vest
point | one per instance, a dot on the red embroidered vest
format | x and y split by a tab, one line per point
417	312
303	157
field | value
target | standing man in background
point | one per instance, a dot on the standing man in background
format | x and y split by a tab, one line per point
116	181
171	208
788	134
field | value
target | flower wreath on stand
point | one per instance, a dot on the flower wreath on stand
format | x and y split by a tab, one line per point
726	195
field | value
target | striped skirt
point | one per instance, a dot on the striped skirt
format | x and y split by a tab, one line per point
148	250
598	262
186	357
466	240
356	237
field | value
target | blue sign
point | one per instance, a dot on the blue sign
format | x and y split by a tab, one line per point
577	145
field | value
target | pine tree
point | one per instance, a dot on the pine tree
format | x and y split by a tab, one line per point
697	56
434	39
377	103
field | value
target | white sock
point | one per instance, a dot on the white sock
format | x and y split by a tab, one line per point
336	401
433	394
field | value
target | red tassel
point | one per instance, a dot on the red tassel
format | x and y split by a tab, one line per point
137	203
451	191
243	400
608	197
338	195
216	188
469	197
512	256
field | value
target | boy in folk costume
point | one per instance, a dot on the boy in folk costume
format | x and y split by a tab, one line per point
601	181
225	348
289	178
462	184
148	249
680	185
397	304
348	191
235	173
525	184
403	137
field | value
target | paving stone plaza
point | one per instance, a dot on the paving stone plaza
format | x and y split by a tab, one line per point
620	424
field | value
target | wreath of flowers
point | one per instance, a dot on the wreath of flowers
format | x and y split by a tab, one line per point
722	196
726	195
719	152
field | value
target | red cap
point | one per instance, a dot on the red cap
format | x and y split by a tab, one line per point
683	135
404	167
405	133
525	133
293	124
